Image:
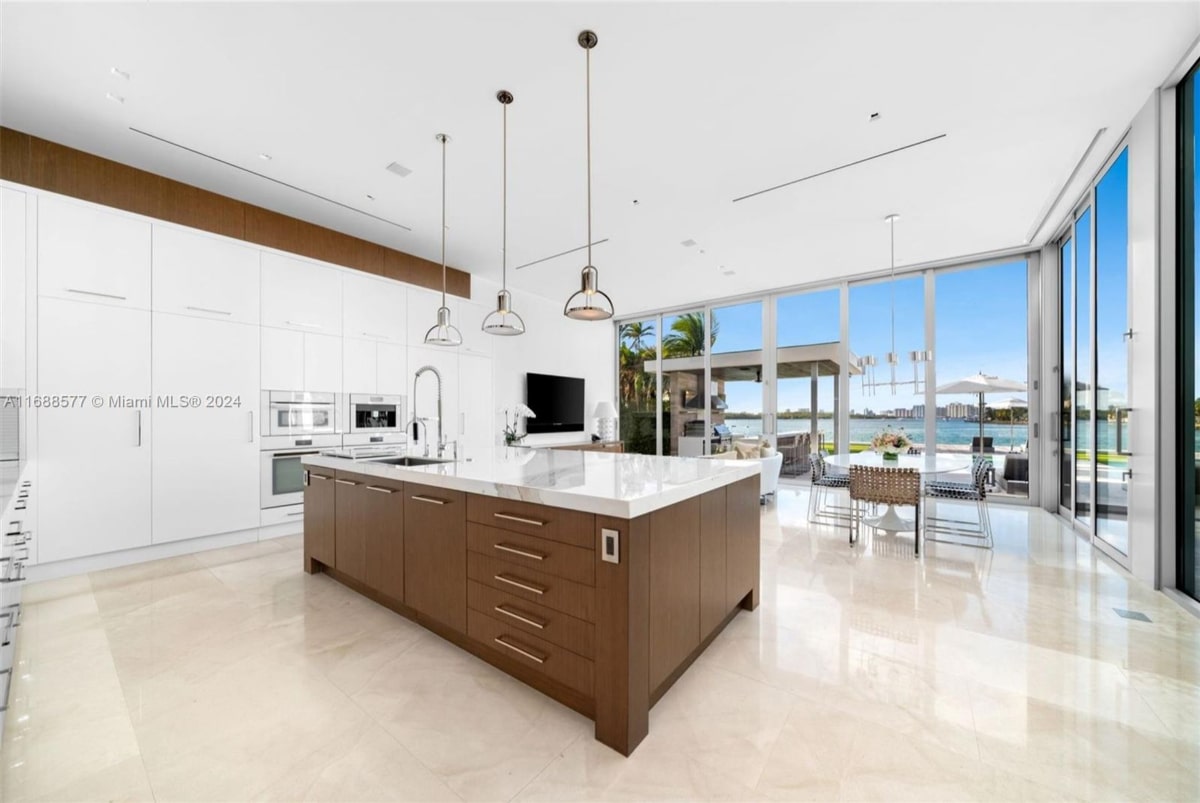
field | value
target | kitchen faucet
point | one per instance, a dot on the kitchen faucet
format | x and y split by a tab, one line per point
441	439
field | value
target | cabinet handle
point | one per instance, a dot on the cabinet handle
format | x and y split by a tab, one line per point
531	656
430	500
527	587
346	482
520	617
206	309
94	293
298	512
139	422
520	519
374	334
302	323
7	675
521	552
251	427
317	477
380	490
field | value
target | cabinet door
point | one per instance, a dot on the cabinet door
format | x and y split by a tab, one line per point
424	396
206	458
200	274
392	370
435	554
359	366
422	307
282	359
477	421
93	462
87	254
470	323
352	524
301	295
322	363
373	308
12	289
385	537
320	518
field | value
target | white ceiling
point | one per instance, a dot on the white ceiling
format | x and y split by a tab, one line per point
694	104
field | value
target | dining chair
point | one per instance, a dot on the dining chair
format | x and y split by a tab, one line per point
885	486
822	483
976	533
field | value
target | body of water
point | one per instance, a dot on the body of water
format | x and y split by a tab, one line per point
949	432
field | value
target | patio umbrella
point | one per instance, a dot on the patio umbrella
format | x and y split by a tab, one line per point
1012	405
981	384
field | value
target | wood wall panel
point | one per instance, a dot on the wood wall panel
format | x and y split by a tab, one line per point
34	162
675	592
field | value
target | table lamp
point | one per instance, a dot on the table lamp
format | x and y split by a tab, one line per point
607	415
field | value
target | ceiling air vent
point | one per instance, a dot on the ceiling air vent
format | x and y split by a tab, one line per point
399	169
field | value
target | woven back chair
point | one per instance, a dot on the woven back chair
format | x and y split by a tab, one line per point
885	486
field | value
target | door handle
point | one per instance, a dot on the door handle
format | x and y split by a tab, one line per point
139	427
346	482
94	293
206	309
251	427
430	500
380	490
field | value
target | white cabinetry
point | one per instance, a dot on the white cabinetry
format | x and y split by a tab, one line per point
373	367
477	428
12	289
469	320
423	401
204	275
87	254
93	461
322	363
422	313
206	458
374	309
302	295
294	360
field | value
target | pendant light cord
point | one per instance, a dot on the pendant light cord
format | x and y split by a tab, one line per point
443	220
892	228
504	204
588	52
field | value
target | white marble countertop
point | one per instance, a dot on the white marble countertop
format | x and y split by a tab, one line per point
610	484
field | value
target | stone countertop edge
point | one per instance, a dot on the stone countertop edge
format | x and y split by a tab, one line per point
491	477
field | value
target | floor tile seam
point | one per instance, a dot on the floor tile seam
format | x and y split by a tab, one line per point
775	742
553	759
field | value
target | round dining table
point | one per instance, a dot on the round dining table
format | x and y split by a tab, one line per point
927	465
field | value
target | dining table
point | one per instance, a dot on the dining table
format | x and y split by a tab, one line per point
927	465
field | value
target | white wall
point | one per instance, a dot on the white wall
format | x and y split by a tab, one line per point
552	344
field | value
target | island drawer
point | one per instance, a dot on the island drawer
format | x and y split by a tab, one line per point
574	599
529	617
555	523
538	654
539	554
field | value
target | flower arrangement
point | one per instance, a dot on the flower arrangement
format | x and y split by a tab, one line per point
890	443
511	436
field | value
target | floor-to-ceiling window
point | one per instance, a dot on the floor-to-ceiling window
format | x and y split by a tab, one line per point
1188	420
808	330
1082	425
736	371
982	327
637	385
686	338
1066	355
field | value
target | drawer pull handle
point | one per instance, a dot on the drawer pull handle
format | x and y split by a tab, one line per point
520	519
531	656
519	584
520	617
431	500
521	552
207	309
94	293
317	477
298	512
346	482
380	490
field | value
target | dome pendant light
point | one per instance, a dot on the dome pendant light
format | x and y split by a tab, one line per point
589	304
504	321
443	333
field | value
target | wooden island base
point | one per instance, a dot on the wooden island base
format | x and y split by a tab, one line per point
526	588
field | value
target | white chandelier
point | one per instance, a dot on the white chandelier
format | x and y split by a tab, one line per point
870	383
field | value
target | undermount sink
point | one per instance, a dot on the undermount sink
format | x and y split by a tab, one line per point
409	460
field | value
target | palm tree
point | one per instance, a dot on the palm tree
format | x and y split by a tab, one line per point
637	333
687	335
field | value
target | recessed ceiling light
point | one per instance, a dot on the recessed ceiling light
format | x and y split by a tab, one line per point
702	251
688	243
114	98
636	201
119	73
874	116
266	157
729	272
399	169
370	197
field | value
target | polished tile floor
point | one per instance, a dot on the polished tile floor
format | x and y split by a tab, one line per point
967	675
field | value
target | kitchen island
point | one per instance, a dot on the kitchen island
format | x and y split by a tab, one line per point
597	578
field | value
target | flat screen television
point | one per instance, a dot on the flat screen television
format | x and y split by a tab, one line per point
557	401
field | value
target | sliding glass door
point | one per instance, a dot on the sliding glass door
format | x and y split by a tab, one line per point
1188	343
808	363
1066	352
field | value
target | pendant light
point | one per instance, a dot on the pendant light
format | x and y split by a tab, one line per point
868	362
589	304
503	321
443	333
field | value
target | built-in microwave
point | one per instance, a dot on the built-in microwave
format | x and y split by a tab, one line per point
376	414
289	413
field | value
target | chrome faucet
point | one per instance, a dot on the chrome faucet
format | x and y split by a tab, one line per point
441	442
